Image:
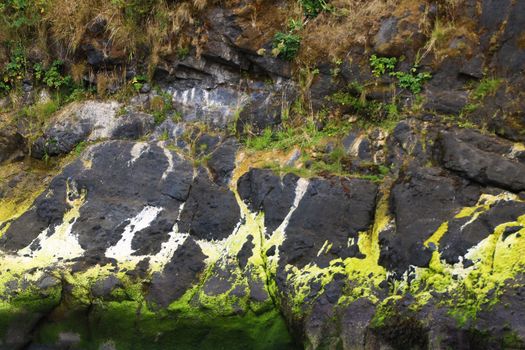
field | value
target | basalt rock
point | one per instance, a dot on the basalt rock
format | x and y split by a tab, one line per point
89	121
480	159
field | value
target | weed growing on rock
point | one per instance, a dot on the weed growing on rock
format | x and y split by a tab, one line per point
412	80
52	77
312	8
486	87
286	45
382	65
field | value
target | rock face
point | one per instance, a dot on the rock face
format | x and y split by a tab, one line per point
480	159
89	121
166	232
134	231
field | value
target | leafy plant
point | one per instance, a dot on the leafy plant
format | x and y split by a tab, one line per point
372	110
53	77
183	52
286	45
382	65
138	82
412	81
312	8
14	70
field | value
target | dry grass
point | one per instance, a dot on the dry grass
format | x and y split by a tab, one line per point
158	27
333	34
105	81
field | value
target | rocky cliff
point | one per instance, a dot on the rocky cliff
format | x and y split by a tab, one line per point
366	193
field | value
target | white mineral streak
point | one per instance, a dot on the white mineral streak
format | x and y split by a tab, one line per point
169	157
300	190
136	151
169	247
279	234
123	251
61	245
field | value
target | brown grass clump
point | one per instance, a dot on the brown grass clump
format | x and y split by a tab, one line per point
133	27
350	24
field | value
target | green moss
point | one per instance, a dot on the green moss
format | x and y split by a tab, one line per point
129	325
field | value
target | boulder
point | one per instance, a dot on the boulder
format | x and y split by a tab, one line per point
476	160
89	121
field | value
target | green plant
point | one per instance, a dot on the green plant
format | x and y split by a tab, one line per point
372	110
53	77
382	65
14	70
183	52
286	45
486	87
41	112
80	147
161	106
412	81
79	94
312	8
21	15
138	81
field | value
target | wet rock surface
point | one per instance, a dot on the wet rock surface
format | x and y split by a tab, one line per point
138	223
164	231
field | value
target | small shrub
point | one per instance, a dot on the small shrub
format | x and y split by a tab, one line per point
412	81
382	65
14	70
372	110
312	8
286	45
138	82
53	77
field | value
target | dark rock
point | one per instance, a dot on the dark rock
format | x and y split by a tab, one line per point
264	110
149	240
421	202
246	252
89	121
355	323
385	36
114	173
178	275
510	230
205	144
211	212
461	236
446	102
222	162
473	67
347	208
265	191
104	288
12	144
477	163
133	126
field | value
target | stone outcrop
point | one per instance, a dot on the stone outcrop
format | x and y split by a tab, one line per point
161	231
135	231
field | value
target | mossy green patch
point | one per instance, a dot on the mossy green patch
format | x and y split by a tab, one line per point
129	325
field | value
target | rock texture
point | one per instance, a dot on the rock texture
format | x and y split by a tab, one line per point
163	231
